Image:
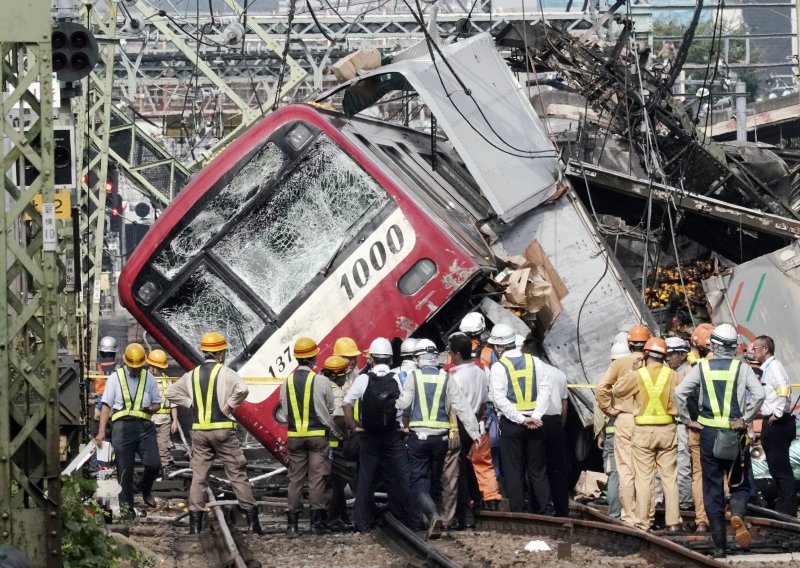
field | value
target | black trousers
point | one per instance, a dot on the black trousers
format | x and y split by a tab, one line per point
384	455
343	473
776	438
426	464
715	470
522	452
130	437
555	443
468	489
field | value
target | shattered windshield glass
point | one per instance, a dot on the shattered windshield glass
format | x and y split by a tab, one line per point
280	246
205	303
258	172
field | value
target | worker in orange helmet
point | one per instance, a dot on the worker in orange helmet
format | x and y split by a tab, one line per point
620	411
655	435
213	391
307	405
166	419
700	343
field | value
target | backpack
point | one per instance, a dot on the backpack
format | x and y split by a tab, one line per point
378	411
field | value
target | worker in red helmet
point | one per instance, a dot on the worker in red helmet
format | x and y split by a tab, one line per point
620	411
655	436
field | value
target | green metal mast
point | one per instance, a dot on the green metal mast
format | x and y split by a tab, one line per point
29	282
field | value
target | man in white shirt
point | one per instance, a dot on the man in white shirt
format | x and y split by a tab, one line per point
382	449
555	440
520	387
474	384
778	428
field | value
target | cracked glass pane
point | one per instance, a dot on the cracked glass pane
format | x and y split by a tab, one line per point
296	232
205	303
258	172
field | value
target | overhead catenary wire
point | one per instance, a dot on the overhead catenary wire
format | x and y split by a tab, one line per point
285	56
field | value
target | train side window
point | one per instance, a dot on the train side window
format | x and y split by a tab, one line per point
417	276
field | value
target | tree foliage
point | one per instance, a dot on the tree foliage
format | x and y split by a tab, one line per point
707	51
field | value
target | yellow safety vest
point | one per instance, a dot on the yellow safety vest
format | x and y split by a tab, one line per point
721	417
305	424
524	394
654	414
162	388
131	409
208	414
429	409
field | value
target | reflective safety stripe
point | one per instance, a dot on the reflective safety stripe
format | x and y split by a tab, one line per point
162	388
334	443
429	410
654	413
301	421
524	396
206	404
357	410
131	409
610	429
783	391
721	418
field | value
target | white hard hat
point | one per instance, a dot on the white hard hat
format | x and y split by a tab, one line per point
519	341
676	344
502	334
408	346
380	347
620	349
107	345
473	322
725	335
621	337
425	346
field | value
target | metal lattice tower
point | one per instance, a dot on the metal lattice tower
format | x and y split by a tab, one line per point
29	281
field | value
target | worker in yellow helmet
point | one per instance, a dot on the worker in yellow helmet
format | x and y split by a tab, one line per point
343	470
213	391
307	405
166	419
130	399
347	348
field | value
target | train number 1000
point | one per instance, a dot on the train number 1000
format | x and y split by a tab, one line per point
363	268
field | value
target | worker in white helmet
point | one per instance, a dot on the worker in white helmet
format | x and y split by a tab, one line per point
407	362
520	388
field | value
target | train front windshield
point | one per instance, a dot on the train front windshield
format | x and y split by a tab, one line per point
258	241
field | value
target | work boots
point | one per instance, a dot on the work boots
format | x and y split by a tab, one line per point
292	519
719	536
196	521
738	514
253	524
318	517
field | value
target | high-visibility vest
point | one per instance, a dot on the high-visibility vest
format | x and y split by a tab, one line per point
104	369
653	412
429	407
133	409
303	422
521	374
716	381
163	385
610	429
206	410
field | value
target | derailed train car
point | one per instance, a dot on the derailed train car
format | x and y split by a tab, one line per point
318	223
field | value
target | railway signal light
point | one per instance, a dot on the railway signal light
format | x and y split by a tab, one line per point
75	51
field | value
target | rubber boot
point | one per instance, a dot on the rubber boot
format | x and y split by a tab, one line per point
253	524
719	536
196	521
292	518
738	522
318	517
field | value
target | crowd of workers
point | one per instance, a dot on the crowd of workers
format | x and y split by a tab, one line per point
443	432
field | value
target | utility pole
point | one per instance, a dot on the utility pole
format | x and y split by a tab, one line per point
30	485
741	111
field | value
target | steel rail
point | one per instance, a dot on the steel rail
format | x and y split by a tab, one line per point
224	534
612	538
397	537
